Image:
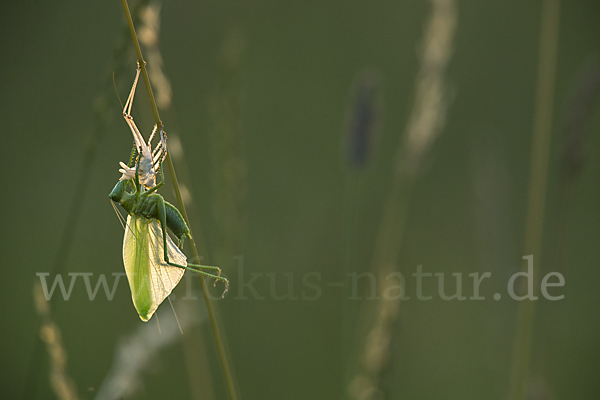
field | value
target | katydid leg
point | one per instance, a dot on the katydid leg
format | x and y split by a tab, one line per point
162	218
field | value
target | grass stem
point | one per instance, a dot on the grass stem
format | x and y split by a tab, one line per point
425	124
540	151
211	314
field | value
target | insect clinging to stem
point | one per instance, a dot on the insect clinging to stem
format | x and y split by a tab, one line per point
154	265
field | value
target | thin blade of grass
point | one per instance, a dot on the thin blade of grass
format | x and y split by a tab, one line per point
211	314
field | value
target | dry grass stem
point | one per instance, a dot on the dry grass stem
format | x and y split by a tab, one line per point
62	385
426	122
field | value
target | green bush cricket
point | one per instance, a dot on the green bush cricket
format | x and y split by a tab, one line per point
154	265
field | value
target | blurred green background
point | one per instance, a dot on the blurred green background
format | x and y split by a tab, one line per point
260	96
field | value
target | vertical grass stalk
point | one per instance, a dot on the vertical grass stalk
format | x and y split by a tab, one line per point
362	131
585	96
351	206
211	315
540	150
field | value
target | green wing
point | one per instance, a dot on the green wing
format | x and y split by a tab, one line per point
151	280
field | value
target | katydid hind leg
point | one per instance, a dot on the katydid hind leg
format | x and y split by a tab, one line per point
210	267
208	274
217	272
162	218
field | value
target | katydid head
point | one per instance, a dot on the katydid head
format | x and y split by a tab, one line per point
129	201
117	193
